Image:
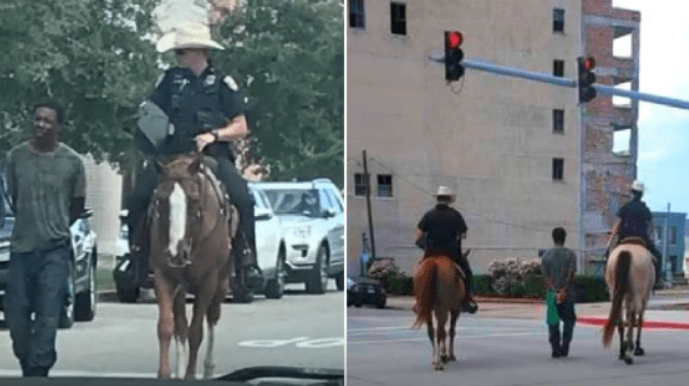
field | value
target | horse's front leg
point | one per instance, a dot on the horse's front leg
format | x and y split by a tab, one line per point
181	333
201	304
163	294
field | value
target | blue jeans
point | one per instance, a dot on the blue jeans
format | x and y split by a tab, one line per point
36	283
567	315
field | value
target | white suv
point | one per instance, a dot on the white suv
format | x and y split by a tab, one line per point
312	218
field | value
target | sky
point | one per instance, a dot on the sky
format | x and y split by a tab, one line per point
663	130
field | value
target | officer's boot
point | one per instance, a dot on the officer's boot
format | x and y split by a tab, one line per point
253	277
657	258
138	249
249	273
469	304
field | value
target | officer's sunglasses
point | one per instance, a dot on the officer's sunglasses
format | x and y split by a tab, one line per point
181	52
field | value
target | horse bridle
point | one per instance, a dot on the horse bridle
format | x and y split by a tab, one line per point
201	180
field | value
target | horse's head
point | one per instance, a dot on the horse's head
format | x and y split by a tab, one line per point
177	206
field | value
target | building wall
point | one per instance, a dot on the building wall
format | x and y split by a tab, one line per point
103	195
675	251
607	176
492	142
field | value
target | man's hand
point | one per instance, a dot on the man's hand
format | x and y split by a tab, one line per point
203	140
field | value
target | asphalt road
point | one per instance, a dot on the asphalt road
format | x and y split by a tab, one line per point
297	330
383	350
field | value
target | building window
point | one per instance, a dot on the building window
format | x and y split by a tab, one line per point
558	169
558	121
384	185
558	20
673	235
357	14
360	184
398	18
558	67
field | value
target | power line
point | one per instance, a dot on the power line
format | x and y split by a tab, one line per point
488	219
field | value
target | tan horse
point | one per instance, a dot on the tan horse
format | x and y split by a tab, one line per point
439	290
630	275
190	230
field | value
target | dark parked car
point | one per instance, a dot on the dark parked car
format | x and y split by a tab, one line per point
362	291
80	302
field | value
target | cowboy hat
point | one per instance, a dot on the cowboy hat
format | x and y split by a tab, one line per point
445	191
187	35
638	187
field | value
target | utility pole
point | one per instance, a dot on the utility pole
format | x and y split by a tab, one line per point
665	242
367	178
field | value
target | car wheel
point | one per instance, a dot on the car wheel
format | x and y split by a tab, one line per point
381	303
339	281
275	288
67	313
85	308
318	282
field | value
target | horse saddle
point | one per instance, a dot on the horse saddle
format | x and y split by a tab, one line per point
633	240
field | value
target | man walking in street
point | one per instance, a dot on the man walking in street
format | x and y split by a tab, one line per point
558	267
46	187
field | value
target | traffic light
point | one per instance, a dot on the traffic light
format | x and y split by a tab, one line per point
586	79
453	56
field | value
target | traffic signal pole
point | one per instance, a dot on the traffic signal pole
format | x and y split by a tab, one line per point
563	82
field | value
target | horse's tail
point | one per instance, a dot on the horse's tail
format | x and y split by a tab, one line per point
623	265
425	288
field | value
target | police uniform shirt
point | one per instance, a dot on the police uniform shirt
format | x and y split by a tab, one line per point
444	225
635	218
196	105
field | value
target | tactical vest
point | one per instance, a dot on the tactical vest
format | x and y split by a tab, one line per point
195	111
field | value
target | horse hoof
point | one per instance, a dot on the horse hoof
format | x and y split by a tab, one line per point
444	358
439	368
453	358
629	360
639	352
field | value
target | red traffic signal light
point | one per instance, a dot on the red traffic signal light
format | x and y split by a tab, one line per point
586	79
455	39
453	56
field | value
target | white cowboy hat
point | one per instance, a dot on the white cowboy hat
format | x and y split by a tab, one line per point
187	35
445	191
638	187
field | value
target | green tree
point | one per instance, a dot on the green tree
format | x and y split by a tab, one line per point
289	56
88	55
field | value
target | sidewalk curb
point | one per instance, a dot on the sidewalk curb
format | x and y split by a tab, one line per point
601	320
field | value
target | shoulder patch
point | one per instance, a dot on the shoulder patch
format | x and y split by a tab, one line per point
230	83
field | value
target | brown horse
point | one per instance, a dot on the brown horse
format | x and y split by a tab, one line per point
630	275
439	290
190	232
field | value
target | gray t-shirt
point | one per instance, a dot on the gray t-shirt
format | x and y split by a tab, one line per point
42	186
557	263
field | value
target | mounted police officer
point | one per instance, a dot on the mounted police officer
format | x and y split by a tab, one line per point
202	109
636	220
443	228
